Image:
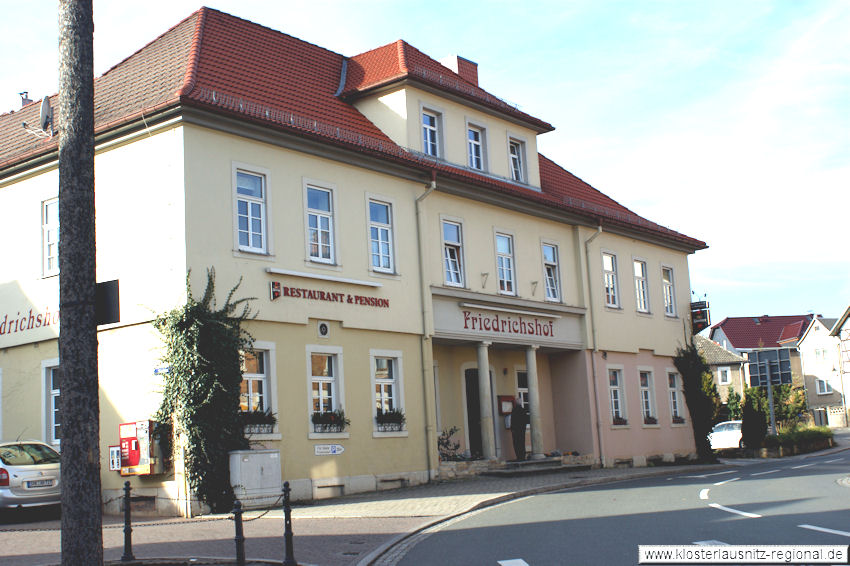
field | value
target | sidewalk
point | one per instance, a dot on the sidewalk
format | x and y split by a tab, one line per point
346	531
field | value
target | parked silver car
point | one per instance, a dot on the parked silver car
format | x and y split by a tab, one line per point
726	435
29	474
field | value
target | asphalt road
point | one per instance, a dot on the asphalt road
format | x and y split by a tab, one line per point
769	502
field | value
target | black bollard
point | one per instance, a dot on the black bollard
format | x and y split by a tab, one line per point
128	537
240	537
287	529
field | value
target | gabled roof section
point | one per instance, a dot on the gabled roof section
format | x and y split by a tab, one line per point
839	324
827	323
399	61
748	332
714	353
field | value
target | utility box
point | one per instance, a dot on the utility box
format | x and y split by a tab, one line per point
255	477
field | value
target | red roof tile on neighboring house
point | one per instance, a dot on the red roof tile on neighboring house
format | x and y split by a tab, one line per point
748	332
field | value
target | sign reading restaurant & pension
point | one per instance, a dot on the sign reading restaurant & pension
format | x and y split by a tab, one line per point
278	290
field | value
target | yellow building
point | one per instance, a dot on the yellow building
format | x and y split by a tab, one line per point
402	237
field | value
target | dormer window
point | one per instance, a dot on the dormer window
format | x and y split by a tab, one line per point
475	145
517	151
430	133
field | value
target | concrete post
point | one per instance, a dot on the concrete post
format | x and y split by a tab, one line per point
534	403
485	401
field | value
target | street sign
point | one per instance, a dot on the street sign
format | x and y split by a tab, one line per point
328	449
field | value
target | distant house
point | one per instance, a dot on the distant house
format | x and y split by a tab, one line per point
821	374
841	330
768	342
726	367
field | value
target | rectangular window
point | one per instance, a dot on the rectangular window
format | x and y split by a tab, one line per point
669	291
251	211
54	419
475	145
254	388
385	385
609	270
824	388
430	133
615	389
322	377
453	253
50	237
641	289
646	397
381	236
522	387
550	272
723	377
505	263
516	150
320	224
673	387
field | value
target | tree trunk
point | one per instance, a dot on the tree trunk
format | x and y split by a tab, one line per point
82	539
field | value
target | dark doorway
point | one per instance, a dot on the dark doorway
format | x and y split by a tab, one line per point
473	413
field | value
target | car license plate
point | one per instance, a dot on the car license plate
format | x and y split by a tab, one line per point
39	483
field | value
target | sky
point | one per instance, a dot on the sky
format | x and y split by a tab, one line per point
727	121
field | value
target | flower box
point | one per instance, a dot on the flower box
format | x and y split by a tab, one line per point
329	421
650	420
390	421
619	421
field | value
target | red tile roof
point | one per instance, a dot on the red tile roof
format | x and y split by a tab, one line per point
399	61
763	331
234	67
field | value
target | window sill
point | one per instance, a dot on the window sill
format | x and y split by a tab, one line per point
670	316
678	425
620	426
651	426
253	254
613	308
324	435
645	314
393	434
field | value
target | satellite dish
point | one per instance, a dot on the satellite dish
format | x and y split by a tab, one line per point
45	120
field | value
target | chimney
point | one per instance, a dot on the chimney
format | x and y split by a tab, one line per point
25	99
468	70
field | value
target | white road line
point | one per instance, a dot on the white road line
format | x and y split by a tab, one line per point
825	530
703	494
802	466
730	480
836	460
513	562
703	476
735	511
763	473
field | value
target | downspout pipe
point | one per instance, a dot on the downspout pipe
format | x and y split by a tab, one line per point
427	352
594	339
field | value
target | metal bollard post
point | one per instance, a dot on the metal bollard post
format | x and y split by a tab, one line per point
240	537
128	537
289	560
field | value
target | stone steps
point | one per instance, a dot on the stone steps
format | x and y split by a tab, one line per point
532	467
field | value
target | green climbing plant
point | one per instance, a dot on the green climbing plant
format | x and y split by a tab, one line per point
701	396
203	345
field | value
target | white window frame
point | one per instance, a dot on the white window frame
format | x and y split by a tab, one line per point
674	394
458	249
479	161
641	285
269	350
610	281
398	388
380	227
668	290
506	264
49	398
551	273
617	403
338	380
431	135
823	387
264	203
318	213
724	371
517	160
647	393
522	392
49	237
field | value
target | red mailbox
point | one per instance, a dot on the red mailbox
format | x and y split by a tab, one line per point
136	448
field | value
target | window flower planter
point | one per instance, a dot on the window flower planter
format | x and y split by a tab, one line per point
258	422
330	421
619	421
390	421
678	420
650	420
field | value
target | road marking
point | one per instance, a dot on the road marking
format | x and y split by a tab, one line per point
711	543
763	473
802	466
703	494
831	461
735	511
703	476
513	562
825	530
730	480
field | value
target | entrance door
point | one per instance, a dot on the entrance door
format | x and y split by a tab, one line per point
473	413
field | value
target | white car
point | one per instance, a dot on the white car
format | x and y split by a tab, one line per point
29	474
726	435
